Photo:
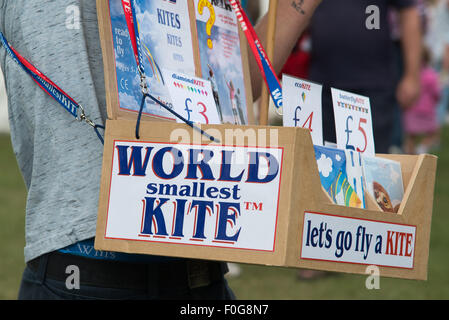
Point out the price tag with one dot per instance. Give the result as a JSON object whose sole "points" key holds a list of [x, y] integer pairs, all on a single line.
{"points": [[192, 97], [302, 105], [353, 122]]}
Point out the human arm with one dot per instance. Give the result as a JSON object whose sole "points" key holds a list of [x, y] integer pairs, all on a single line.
{"points": [[293, 17], [411, 39]]}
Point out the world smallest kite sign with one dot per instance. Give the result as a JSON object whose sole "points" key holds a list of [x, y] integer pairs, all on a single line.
{"points": [[194, 195]]}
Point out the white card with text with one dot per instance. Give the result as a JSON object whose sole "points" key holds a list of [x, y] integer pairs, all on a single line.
{"points": [[192, 97], [353, 122], [302, 106], [181, 193], [327, 237]]}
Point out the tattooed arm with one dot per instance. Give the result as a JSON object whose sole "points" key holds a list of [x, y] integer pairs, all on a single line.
{"points": [[411, 38], [298, 5], [292, 18]]}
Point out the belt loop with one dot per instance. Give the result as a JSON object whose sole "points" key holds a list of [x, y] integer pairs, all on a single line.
{"points": [[42, 269]]}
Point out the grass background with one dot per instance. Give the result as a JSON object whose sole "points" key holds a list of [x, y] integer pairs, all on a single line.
{"points": [[255, 282]]}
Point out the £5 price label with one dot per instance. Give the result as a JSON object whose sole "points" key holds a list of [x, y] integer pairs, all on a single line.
{"points": [[302, 106], [353, 122]]}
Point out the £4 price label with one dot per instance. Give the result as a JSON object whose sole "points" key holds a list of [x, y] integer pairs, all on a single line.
{"points": [[302, 106], [307, 124]]}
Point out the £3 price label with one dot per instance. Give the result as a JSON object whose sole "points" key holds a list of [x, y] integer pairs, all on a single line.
{"points": [[353, 122], [192, 97], [200, 110], [302, 106]]}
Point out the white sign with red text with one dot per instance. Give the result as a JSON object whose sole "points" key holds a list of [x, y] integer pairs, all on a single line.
{"points": [[349, 240], [353, 122], [192, 97], [302, 106], [195, 194]]}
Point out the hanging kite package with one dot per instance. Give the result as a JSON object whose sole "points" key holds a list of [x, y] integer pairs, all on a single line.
{"points": [[187, 173]]}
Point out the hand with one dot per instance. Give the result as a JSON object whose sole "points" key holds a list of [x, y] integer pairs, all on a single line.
{"points": [[408, 91]]}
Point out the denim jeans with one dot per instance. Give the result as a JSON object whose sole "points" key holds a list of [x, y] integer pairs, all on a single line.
{"points": [[37, 285]]}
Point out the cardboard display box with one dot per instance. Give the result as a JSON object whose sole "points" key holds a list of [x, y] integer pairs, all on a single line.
{"points": [[254, 197], [265, 206]]}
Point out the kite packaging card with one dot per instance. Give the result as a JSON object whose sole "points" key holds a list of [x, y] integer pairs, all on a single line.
{"points": [[330, 163], [219, 46], [383, 179], [334, 178], [166, 39], [184, 37]]}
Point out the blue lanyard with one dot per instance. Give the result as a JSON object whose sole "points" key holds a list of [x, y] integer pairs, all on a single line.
{"points": [[70, 105]]}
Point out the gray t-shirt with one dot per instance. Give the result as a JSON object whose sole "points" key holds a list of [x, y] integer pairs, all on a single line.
{"points": [[59, 157]]}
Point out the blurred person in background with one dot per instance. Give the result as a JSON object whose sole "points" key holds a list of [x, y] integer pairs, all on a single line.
{"points": [[352, 50], [340, 51], [437, 39], [420, 122], [397, 133]]}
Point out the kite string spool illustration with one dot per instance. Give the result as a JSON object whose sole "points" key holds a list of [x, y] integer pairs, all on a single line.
{"points": [[210, 22]]}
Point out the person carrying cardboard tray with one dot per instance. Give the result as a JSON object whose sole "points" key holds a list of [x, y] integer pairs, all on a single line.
{"points": [[60, 159]]}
